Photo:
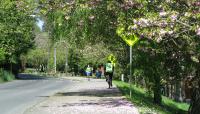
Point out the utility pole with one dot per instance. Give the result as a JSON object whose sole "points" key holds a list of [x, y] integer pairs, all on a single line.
{"points": [[55, 59], [66, 64]]}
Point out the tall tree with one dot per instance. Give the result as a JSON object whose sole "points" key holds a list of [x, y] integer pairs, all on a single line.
{"points": [[16, 30]]}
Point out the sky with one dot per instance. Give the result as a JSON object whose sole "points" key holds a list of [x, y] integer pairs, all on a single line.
{"points": [[40, 23]]}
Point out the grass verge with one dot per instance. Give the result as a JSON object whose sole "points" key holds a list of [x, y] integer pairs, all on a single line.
{"points": [[144, 102], [6, 76]]}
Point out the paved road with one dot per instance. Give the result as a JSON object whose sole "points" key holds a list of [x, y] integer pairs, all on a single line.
{"points": [[19, 95], [85, 97]]}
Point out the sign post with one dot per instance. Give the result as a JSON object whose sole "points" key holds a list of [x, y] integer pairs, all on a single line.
{"points": [[130, 78], [131, 40]]}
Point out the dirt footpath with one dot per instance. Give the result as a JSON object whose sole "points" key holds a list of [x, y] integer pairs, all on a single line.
{"points": [[85, 97]]}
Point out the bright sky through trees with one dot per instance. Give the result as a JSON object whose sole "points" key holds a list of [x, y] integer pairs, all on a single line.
{"points": [[40, 23]]}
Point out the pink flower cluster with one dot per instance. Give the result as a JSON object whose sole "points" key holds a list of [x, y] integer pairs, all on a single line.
{"points": [[198, 31], [129, 4], [142, 22], [91, 18], [163, 14]]}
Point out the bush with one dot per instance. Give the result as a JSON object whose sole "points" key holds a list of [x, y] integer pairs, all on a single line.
{"points": [[30, 70], [6, 76]]}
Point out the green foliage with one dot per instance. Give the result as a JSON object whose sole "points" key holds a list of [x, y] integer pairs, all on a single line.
{"points": [[36, 58], [2, 55], [17, 35], [16, 29], [42, 57]]}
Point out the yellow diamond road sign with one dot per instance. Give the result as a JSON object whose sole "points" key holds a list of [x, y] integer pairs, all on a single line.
{"points": [[130, 39]]}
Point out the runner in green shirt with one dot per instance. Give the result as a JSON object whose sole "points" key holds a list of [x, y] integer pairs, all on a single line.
{"points": [[109, 68]]}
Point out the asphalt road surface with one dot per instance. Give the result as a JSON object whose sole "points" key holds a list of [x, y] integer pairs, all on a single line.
{"points": [[19, 95]]}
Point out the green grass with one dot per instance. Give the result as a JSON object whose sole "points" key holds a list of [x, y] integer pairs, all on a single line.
{"points": [[144, 101], [6, 76]]}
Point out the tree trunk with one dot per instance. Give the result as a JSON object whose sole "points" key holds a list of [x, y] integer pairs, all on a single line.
{"points": [[23, 64], [195, 102], [195, 99], [11, 67], [157, 90], [167, 90], [177, 93], [48, 58], [182, 91], [171, 91]]}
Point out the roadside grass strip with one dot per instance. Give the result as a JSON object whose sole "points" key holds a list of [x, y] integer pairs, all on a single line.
{"points": [[144, 101]]}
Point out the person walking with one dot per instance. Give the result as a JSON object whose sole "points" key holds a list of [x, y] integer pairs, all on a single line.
{"points": [[102, 70], [109, 68], [98, 72], [88, 72]]}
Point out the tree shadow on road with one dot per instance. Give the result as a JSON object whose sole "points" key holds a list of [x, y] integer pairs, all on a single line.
{"points": [[31, 77], [104, 102], [93, 92], [106, 97]]}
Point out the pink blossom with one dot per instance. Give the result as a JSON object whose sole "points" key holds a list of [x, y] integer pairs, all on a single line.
{"points": [[67, 17], [162, 32], [170, 32], [163, 24], [143, 22], [198, 31], [187, 14], [80, 23], [134, 27], [168, 1], [162, 14], [158, 39], [135, 21], [91, 17], [174, 17]]}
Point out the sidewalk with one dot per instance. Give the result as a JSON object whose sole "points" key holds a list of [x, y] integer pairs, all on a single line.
{"points": [[85, 97]]}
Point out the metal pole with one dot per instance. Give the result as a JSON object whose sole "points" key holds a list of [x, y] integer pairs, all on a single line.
{"points": [[66, 64], [130, 78], [55, 59], [48, 59]]}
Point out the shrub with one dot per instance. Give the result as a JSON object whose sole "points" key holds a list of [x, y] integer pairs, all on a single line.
{"points": [[6, 76]]}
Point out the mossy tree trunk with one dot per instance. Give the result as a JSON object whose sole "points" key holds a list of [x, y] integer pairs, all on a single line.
{"points": [[157, 90], [195, 98]]}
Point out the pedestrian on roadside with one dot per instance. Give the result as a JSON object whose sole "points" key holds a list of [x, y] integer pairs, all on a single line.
{"points": [[98, 72], [102, 70], [109, 69], [88, 72]]}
